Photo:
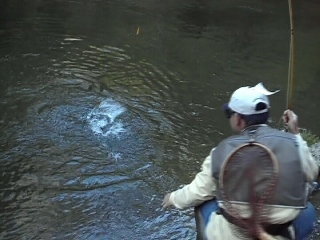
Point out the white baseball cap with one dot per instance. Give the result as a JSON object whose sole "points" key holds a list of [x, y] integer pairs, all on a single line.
{"points": [[245, 99]]}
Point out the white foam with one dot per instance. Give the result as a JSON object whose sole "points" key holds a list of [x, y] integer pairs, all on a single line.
{"points": [[115, 156], [103, 119]]}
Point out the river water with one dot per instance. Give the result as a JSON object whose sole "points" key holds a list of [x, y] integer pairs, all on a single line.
{"points": [[107, 105]]}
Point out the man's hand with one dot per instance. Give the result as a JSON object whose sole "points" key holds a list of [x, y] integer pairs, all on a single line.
{"points": [[166, 202], [290, 119]]}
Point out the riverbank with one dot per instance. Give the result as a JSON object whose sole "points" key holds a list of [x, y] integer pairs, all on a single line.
{"points": [[315, 150]]}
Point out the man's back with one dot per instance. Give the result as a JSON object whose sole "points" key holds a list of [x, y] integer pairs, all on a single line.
{"points": [[291, 186]]}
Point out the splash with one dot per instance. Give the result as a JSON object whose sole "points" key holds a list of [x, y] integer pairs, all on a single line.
{"points": [[103, 119]]}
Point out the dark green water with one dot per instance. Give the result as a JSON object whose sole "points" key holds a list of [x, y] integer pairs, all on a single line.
{"points": [[98, 122]]}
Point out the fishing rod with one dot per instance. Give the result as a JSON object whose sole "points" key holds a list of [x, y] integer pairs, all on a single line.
{"points": [[291, 60], [291, 65]]}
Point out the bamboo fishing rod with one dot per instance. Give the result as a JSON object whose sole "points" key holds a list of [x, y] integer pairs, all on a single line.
{"points": [[291, 60]]}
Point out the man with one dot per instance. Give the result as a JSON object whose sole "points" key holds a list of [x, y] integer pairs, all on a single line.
{"points": [[291, 216]]}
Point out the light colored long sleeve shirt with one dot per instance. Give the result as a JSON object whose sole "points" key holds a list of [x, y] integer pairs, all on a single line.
{"points": [[203, 188]]}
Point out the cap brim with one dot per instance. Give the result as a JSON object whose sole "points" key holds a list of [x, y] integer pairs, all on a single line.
{"points": [[225, 106]]}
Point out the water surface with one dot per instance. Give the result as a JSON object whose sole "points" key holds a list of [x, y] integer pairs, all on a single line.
{"points": [[107, 105]]}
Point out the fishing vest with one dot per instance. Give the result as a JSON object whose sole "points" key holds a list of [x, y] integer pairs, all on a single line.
{"points": [[291, 185]]}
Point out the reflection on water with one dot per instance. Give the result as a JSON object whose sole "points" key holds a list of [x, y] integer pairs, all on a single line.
{"points": [[97, 123]]}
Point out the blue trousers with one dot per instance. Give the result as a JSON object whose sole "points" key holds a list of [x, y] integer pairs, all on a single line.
{"points": [[303, 224]]}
